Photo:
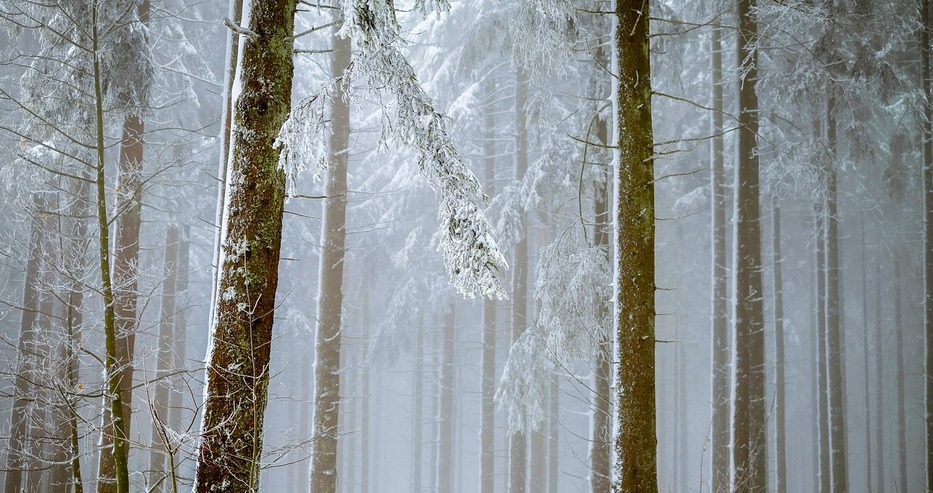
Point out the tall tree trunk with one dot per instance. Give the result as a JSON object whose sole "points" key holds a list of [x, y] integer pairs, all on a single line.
{"points": [[241, 335], [75, 267], [179, 353], [445, 449], [779, 398], [553, 473], [125, 274], [901, 484], [869, 463], [517, 442], [160, 401], [749, 425], [365, 399], [19, 419], [487, 447], [927, 228], [39, 434], [304, 422], [417, 440], [879, 385], [822, 365], [330, 292], [601, 440], [835, 344], [720, 321], [636, 443]]}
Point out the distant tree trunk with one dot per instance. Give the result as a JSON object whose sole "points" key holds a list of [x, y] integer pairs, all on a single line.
{"points": [[487, 447], [779, 398], [879, 385], [538, 461], [304, 466], [835, 344], [19, 419], [720, 319], [365, 399], [446, 425], [517, 441], [927, 228], [417, 414], [869, 463], [553, 473], [39, 433], [75, 266], [125, 274], [601, 440], [324, 471], [901, 403], [822, 365], [238, 366], [636, 443], [160, 401], [749, 426], [179, 355]]}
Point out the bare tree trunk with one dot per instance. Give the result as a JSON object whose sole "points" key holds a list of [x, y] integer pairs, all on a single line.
{"points": [[779, 397], [749, 425], [719, 476], [835, 344], [324, 471], [553, 473], [822, 365], [636, 440], [488, 417], [238, 360], [601, 439], [517, 441], [869, 463], [901, 403], [927, 228], [179, 355], [19, 419], [365, 400], [879, 379], [417, 416], [160, 401], [445, 439]]}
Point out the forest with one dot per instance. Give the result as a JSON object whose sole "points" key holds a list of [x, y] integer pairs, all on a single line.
{"points": [[522, 246]]}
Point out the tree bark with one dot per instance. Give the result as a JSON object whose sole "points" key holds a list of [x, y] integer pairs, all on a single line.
{"points": [[488, 408], [324, 471], [445, 449], [517, 441], [779, 395], [238, 362], [601, 440], [365, 399], [179, 354], [19, 420], [417, 441], [866, 361], [927, 173], [553, 473], [636, 439], [879, 385], [822, 363], [749, 425], [721, 350], [901, 403], [835, 344]]}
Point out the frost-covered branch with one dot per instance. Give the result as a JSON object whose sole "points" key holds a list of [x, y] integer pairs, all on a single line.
{"points": [[472, 257]]}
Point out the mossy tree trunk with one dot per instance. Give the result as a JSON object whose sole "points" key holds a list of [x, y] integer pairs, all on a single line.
{"points": [[636, 441], [241, 335]]}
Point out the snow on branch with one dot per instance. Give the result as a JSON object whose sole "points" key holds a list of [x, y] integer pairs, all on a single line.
{"points": [[471, 256], [543, 35]]}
